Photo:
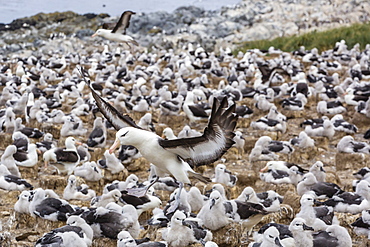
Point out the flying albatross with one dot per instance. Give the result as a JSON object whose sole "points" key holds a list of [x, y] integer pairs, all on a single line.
{"points": [[119, 31], [178, 156]]}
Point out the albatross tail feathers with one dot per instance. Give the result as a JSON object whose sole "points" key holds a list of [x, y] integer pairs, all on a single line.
{"points": [[200, 177], [134, 42]]}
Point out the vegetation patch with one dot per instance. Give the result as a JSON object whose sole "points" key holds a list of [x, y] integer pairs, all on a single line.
{"points": [[323, 40]]}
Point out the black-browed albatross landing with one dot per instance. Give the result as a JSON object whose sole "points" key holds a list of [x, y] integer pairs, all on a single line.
{"points": [[178, 156], [119, 31]]}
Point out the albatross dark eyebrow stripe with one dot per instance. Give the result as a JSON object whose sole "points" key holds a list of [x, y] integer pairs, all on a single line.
{"points": [[124, 134]]}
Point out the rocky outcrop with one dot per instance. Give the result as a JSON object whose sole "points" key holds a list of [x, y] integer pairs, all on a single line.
{"points": [[248, 20]]}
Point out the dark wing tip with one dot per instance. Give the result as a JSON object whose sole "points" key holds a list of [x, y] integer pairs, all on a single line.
{"points": [[123, 22], [85, 75], [224, 119], [129, 12], [110, 112]]}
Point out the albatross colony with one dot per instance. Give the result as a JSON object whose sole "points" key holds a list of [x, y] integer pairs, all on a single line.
{"points": [[122, 81]]}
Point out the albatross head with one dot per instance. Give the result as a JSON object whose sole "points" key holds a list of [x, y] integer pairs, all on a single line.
{"points": [[101, 32], [124, 238], [121, 138], [70, 143], [178, 218], [215, 198]]}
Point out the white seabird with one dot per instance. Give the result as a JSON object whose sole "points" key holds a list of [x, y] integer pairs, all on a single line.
{"points": [[176, 156], [106, 222], [29, 158], [103, 200], [183, 204], [132, 180], [348, 145], [342, 125], [239, 143], [112, 163], [74, 192], [269, 124], [72, 126], [89, 171], [76, 233], [318, 170], [187, 132], [341, 234], [362, 224], [224, 176], [67, 158], [23, 202], [332, 107], [129, 217], [168, 134], [46, 144], [213, 213], [349, 202], [49, 208], [302, 233], [270, 239], [124, 239], [295, 175], [119, 31], [141, 203], [162, 183], [11, 182], [146, 122], [258, 154], [98, 136], [184, 232], [320, 189], [8, 160], [196, 199], [317, 217], [302, 140], [326, 129], [270, 200]]}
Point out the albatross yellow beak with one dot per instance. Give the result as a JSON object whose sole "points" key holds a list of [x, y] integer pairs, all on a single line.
{"points": [[264, 169], [93, 35], [78, 143], [114, 146]]}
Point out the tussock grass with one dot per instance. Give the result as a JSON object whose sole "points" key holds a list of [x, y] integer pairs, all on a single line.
{"points": [[324, 40]]}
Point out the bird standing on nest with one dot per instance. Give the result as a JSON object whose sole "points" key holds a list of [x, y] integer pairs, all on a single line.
{"points": [[119, 31]]}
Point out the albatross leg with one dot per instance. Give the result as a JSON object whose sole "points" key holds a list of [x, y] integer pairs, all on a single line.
{"points": [[139, 192], [174, 206]]}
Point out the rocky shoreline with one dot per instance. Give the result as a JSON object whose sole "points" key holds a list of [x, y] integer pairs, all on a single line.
{"points": [[246, 21]]}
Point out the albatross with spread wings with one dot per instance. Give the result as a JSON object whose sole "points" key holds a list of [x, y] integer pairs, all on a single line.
{"points": [[119, 31], [178, 156]]}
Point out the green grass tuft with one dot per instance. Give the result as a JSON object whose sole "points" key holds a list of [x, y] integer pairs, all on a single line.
{"points": [[356, 33]]}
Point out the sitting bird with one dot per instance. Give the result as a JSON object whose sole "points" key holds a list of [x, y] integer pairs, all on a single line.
{"points": [[80, 192], [98, 135], [222, 175], [66, 158]]}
